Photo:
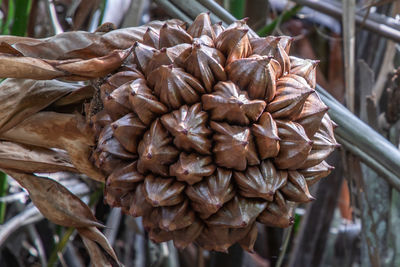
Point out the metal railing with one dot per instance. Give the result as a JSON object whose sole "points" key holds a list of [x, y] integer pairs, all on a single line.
{"points": [[354, 135]]}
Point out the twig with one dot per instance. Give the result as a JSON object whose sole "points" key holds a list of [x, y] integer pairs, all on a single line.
{"points": [[348, 21], [173, 11], [112, 225], [374, 26], [282, 253], [30, 215], [53, 17], [38, 244]]}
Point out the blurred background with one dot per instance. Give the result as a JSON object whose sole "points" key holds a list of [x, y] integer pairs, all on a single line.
{"points": [[354, 220]]}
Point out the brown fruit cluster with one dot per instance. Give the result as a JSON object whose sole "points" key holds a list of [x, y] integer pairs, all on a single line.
{"points": [[206, 131]]}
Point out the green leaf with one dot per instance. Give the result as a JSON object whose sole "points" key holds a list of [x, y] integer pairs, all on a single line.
{"points": [[21, 16], [285, 16]]}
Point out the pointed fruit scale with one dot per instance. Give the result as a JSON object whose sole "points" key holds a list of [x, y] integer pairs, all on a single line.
{"points": [[228, 103], [234, 146], [155, 151], [206, 64], [176, 217], [276, 47], [167, 56], [202, 26], [305, 68], [138, 206], [237, 213], [175, 87], [296, 188], [191, 168], [311, 115], [183, 237], [209, 195], [255, 75], [160, 191], [116, 104], [127, 130], [289, 98], [145, 105], [151, 38], [189, 129], [260, 182], [294, 145], [125, 178], [234, 43], [117, 80], [278, 213], [171, 35], [316, 173], [142, 55], [218, 28], [266, 136], [247, 243]]}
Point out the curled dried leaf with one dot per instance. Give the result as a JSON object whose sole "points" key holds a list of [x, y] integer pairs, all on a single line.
{"points": [[55, 201], [31, 159]]}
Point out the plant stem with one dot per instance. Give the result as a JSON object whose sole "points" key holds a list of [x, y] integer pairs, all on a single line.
{"points": [[3, 192], [60, 247], [288, 234], [21, 16]]}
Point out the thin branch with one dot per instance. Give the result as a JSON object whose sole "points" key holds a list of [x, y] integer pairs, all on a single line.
{"points": [[348, 22]]}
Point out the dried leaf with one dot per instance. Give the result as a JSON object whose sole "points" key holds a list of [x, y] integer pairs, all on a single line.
{"points": [[55, 201], [32, 159], [20, 99], [57, 130], [94, 235]]}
